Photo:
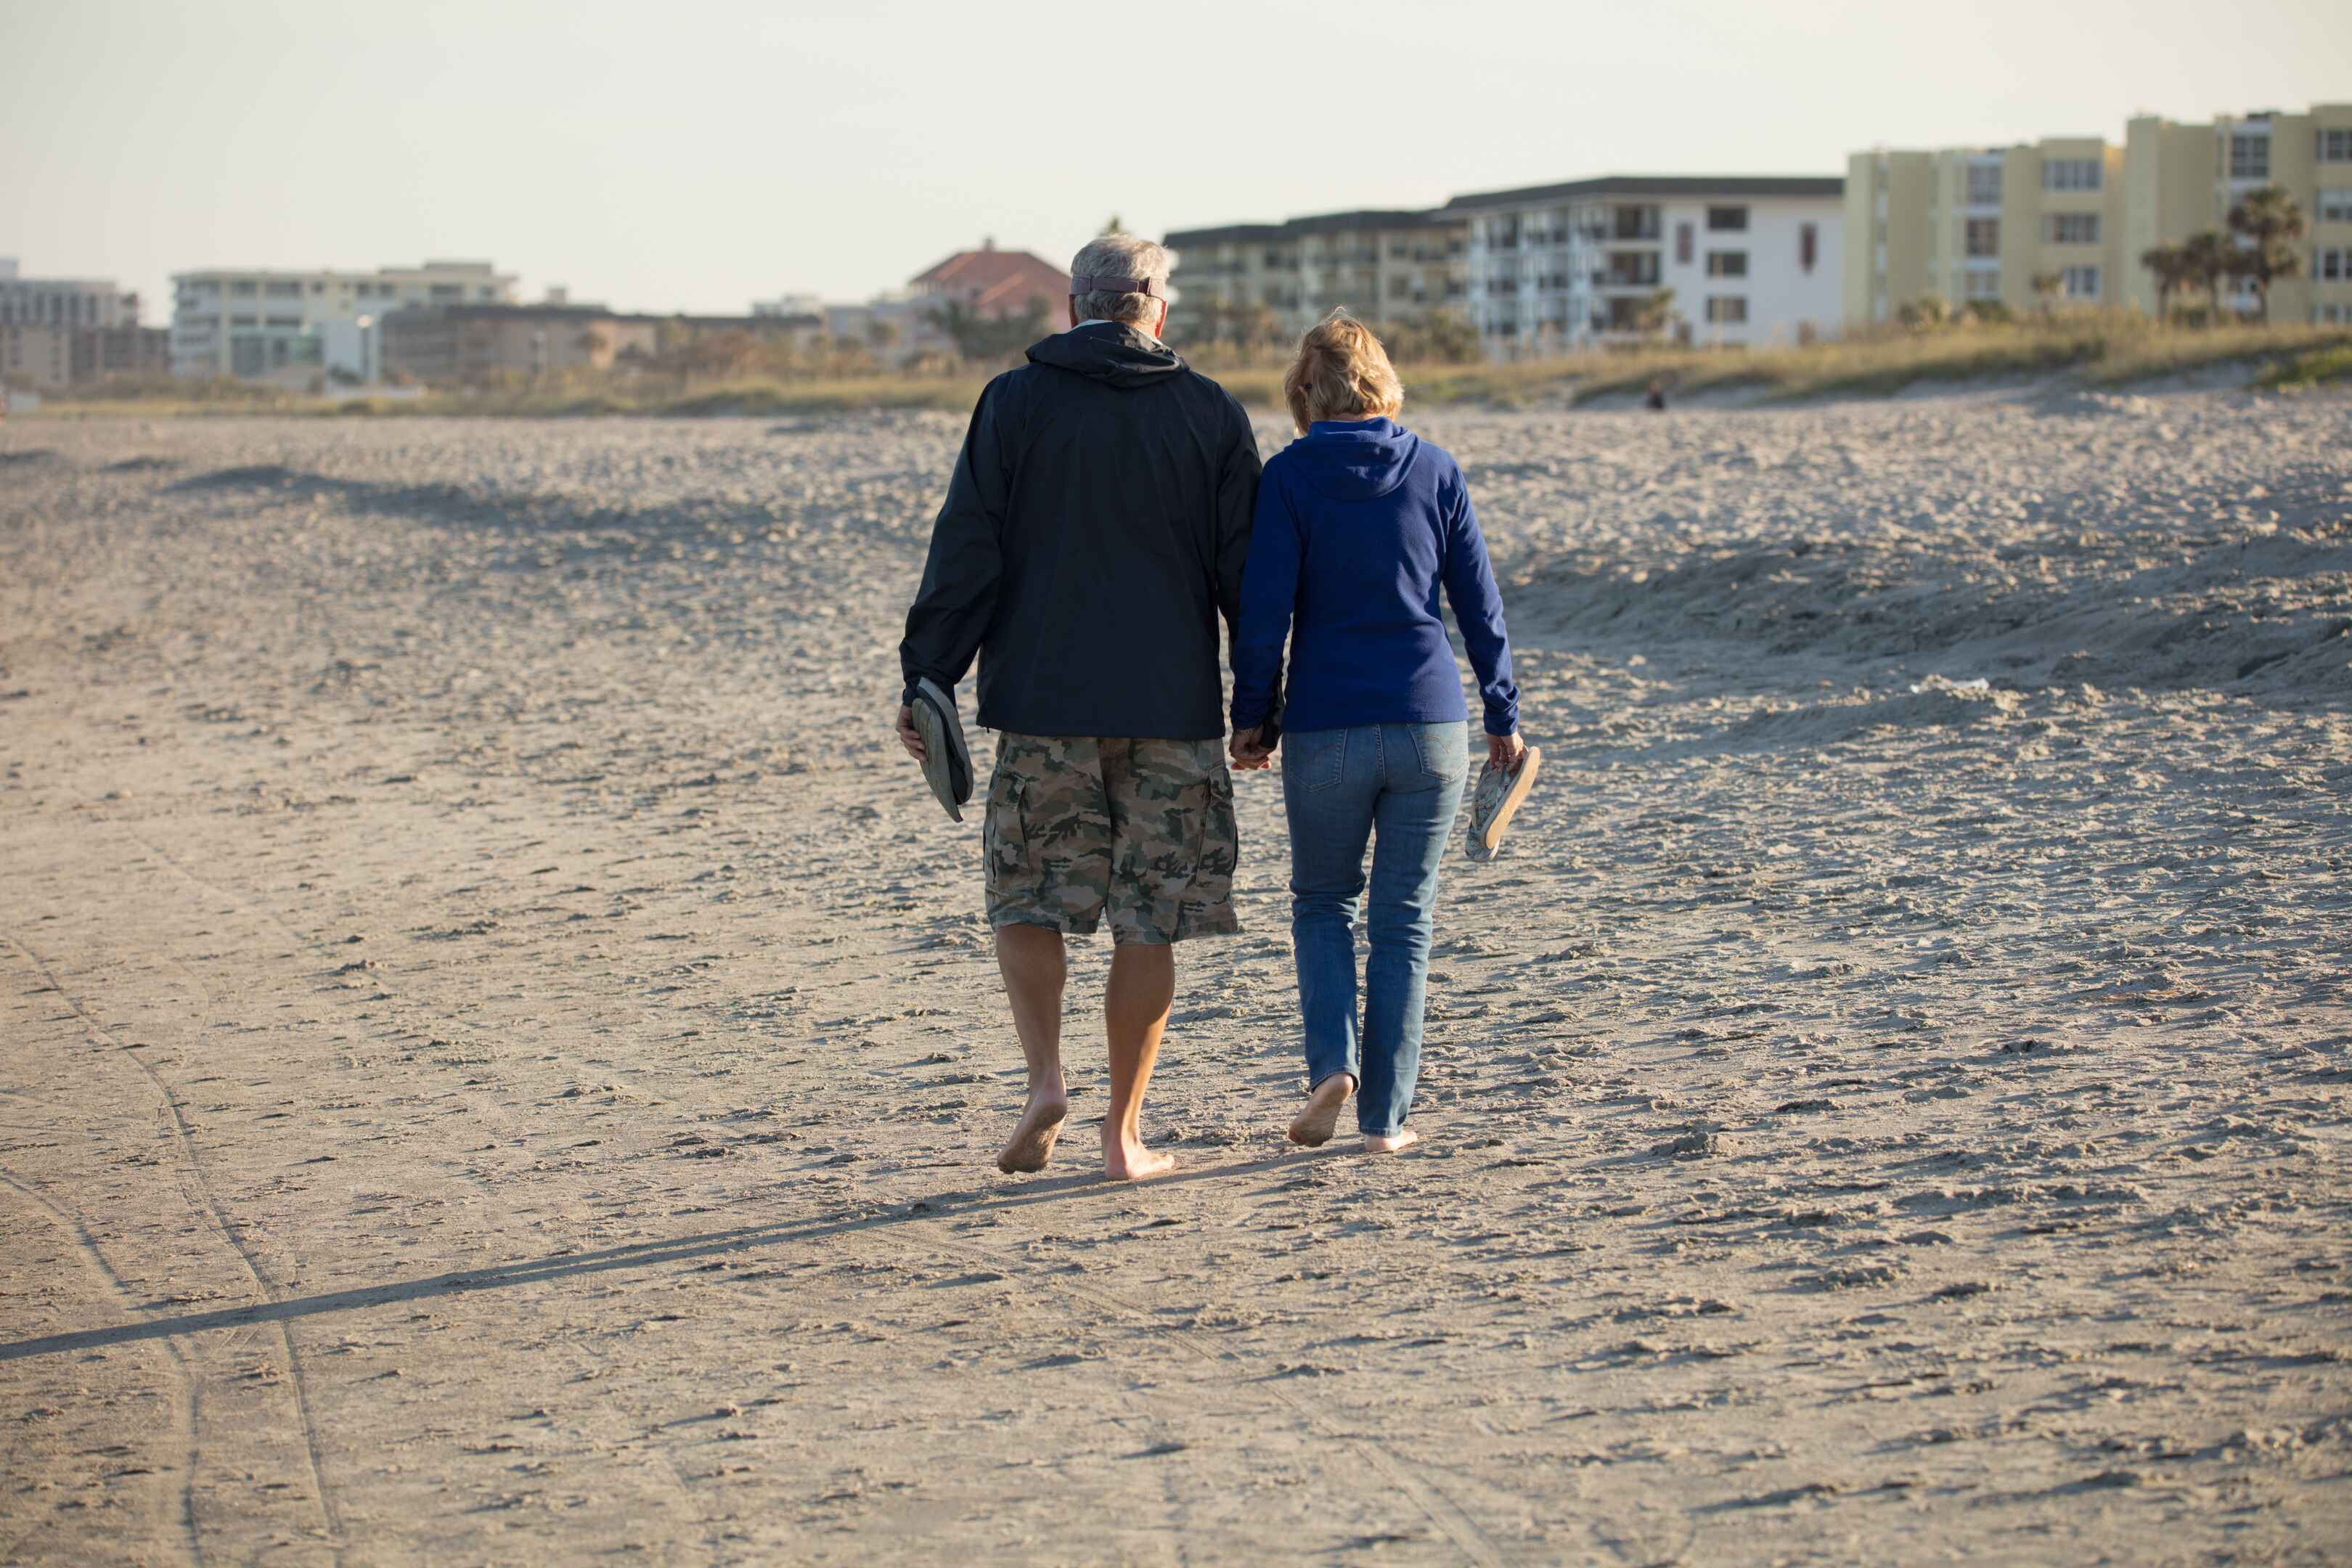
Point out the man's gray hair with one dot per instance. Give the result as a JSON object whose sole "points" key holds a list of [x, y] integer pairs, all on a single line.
{"points": [[1118, 256]]}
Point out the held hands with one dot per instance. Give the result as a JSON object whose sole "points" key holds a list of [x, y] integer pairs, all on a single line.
{"points": [[909, 737], [1247, 752], [1506, 752]]}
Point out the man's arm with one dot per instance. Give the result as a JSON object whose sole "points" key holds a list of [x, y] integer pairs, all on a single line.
{"points": [[1237, 503], [966, 563]]}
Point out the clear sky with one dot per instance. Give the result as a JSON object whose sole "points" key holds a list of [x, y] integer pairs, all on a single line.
{"points": [[696, 155]]}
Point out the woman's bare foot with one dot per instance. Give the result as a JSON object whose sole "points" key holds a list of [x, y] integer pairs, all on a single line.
{"points": [[1126, 1160], [1389, 1143], [1313, 1124], [1031, 1143]]}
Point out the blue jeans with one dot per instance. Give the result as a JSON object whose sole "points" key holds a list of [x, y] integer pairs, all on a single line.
{"points": [[1340, 787]]}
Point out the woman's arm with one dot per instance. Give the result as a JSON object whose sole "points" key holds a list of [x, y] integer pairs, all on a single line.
{"points": [[1478, 610], [1269, 590]]}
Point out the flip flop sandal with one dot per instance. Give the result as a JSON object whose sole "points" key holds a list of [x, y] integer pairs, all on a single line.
{"points": [[1499, 794], [947, 760]]}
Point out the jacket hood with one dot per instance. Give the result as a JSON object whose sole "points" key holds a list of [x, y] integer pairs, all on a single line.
{"points": [[1354, 459], [1109, 352]]}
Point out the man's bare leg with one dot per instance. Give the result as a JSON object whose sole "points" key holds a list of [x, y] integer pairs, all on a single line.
{"points": [[1035, 967], [1135, 1013]]}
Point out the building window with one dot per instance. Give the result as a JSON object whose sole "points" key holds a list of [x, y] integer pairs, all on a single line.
{"points": [[2335, 204], [1729, 310], [1682, 244], [2332, 265], [245, 290], [245, 320], [2250, 156], [1727, 220], [2081, 282], [1635, 223], [1980, 283], [1727, 264], [1808, 245], [1984, 185], [2336, 144], [283, 290], [2074, 229], [2072, 174], [1981, 237]]}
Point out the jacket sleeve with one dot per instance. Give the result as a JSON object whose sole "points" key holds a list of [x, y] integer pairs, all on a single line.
{"points": [[1478, 610], [966, 563], [1237, 485], [1269, 590]]}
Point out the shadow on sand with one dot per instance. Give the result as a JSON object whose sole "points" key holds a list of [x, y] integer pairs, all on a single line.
{"points": [[641, 1255]]}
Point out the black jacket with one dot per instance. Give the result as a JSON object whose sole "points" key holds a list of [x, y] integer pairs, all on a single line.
{"points": [[1095, 529]]}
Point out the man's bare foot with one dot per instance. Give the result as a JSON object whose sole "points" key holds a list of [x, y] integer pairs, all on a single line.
{"points": [[1314, 1122], [1124, 1161], [1389, 1143], [1031, 1143]]}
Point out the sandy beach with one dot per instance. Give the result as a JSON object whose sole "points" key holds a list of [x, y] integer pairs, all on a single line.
{"points": [[501, 1058]]}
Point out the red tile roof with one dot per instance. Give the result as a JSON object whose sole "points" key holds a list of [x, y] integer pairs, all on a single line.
{"points": [[995, 282]]}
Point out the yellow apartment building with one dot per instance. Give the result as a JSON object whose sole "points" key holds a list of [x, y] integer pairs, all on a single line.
{"points": [[1980, 223], [2185, 177]]}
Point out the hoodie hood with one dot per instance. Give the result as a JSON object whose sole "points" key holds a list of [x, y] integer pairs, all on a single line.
{"points": [[1109, 352], [1354, 459]]}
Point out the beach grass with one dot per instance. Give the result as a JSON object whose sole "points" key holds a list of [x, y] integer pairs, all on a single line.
{"points": [[2099, 349], [2316, 367]]}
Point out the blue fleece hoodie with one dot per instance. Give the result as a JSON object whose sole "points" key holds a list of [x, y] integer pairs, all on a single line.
{"points": [[1358, 524]]}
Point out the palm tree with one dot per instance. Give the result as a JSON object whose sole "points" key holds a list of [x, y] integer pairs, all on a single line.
{"points": [[2169, 265], [2271, 225], [2207, 257], [2049, 288]]}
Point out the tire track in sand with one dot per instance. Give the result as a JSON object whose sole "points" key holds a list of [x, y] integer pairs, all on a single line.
{"points": [[73, 1225], [209, 1208], [682, 1489]]}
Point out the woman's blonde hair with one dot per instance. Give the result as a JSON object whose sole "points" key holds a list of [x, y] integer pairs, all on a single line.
{"points": [[1342, 373]]}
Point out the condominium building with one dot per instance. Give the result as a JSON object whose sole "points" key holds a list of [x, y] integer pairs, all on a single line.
{"points": [[473, 342], [1984, 225], [35, 356], [1748, 259], [250, 323], [2069, 218], [50, 358], [63, 302], [2181, 178], [1385, 267]]}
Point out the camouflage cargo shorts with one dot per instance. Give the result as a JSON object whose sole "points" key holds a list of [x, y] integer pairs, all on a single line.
{"points": [[1076, 826]]}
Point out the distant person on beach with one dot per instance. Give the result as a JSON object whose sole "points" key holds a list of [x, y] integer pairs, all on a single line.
{"points": [[1094, 534], [1656, 400], [1360, 525]]}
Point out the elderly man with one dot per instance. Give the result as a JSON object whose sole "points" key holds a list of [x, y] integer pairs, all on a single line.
{"points": [[1094, 532]]}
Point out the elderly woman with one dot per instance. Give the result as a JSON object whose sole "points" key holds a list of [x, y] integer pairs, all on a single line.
{"points": [[1359, 524]]}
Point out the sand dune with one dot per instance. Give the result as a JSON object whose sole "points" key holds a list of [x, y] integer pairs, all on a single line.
{"points": [[500, 1057]]}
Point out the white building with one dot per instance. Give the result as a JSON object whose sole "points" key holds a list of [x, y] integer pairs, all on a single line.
{"points": [[1751, 261], [892, 326], [252, 323], [65, 302]]}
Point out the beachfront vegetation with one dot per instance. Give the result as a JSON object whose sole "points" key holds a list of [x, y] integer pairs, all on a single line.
{"points": [[2093, 348], [2262, 244]]}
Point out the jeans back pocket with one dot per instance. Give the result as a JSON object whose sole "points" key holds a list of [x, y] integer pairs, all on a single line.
{"points": [[1443, 750], [1316, 760]]}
